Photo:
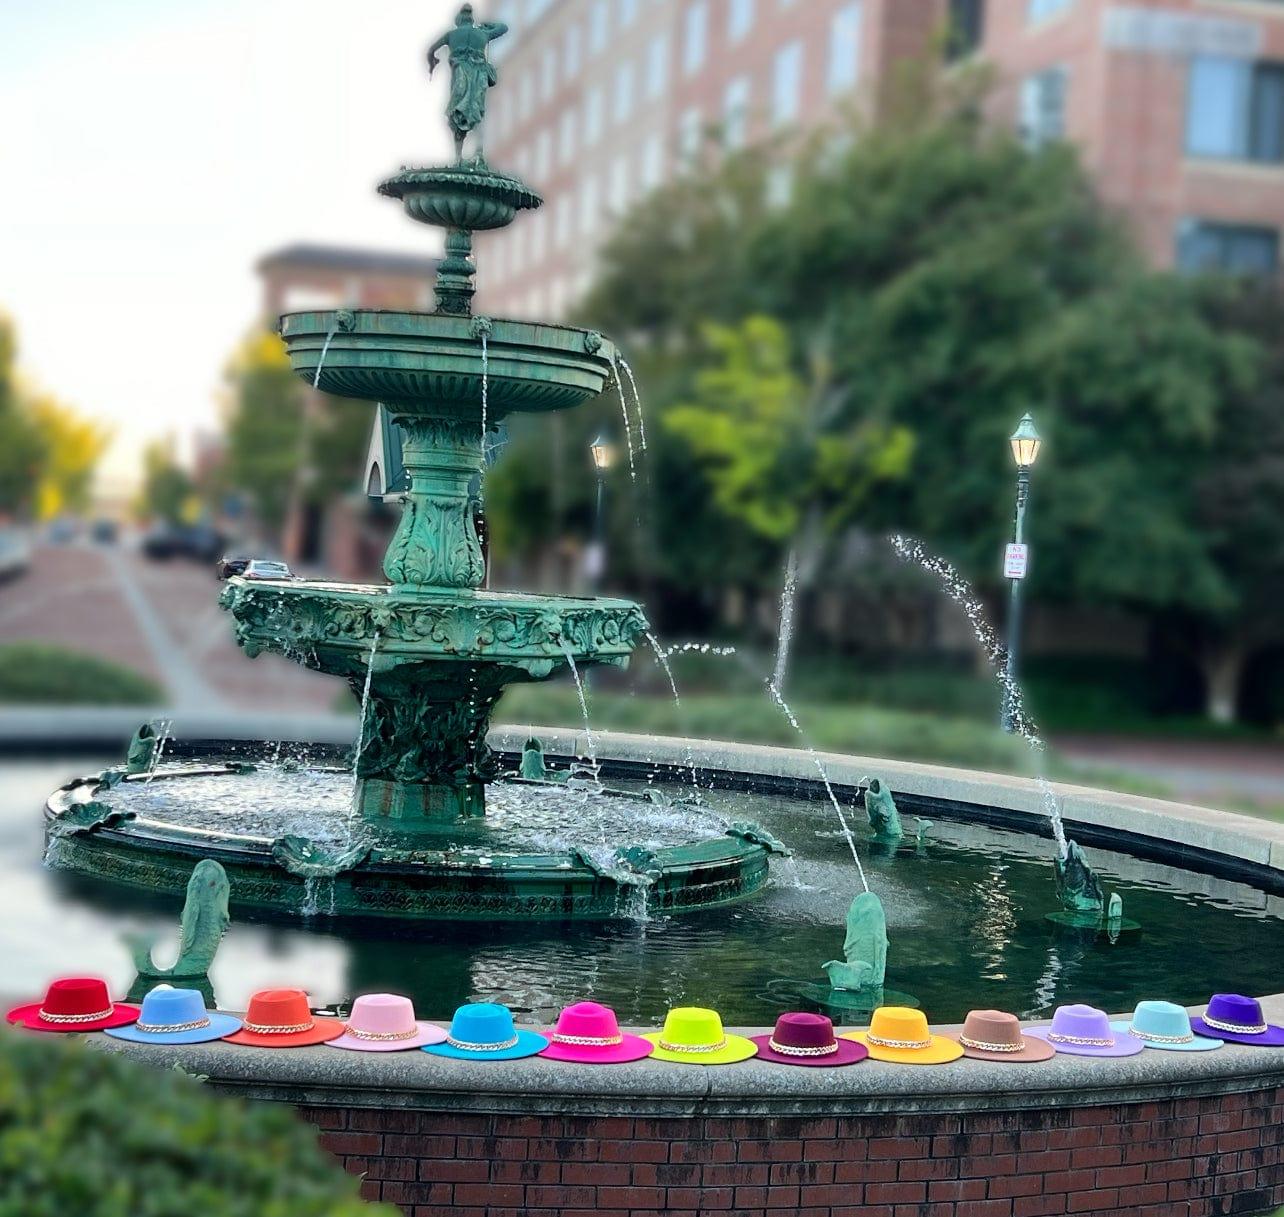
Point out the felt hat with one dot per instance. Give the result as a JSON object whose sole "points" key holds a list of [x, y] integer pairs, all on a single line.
{"points": [[807, 1039], [1235, 1019], [589, 1034], [484, 1031], [992, 1035], [899, 1034], [75, 1003], [694, 1036], [281, 1018], [1086, 1031], [385, 1022], [1166, 1025], [176, 1016]]}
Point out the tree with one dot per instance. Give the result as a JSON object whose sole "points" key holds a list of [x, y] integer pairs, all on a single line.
{"points": [[73, 446], [167, 488], [23, 449]]}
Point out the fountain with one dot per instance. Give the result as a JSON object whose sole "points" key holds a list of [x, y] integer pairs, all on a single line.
{"points": [[429, 654]]}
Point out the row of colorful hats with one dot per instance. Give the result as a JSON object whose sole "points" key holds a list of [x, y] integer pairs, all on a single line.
{"points": [[589, 1033]]}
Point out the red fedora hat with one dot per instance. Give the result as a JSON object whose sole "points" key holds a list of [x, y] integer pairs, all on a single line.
{"points": [[75, 1003]]}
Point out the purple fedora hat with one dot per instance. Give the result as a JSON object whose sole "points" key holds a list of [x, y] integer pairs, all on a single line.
{"points": [[1236, 1019], [1086, 1031], [807, 1039]]}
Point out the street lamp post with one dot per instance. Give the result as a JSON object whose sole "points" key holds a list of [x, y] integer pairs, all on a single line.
{"points": [[1025, 442], [603, 453]]}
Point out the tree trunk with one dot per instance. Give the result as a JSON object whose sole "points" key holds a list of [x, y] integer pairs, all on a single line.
{"points": [[1223, 668]]}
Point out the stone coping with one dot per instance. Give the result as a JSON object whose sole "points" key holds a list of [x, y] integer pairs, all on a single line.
{"points": [[416, 1080]]}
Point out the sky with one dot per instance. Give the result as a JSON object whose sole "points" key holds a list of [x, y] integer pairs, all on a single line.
{"points": [[152, 150]]}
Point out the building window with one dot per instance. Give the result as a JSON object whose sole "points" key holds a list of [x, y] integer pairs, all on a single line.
{"points": [[690, 132], [739, 19], [599, 22], [589, 204], [652, 162], [619, 186], [844, 48], [1237, 249], [697, 28], [592, 117], [543, 154], [1043, 107], [548, 82], [786, 83], [628, 13], [967, 27], [624, 92], [780, 185], [657, 66], [735, 112], [566, 138], [1235, 110], [1041, 10], [571, 54]]}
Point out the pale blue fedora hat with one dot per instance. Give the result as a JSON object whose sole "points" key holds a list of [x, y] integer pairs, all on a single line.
{"points": [[484, 1031], [1166, 1025], [176, 1016]]}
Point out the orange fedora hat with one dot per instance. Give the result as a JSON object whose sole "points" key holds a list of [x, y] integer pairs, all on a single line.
{"points": [[280, 1018]]}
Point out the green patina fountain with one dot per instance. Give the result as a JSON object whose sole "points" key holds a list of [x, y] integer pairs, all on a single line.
{"points": [[429, 654]]}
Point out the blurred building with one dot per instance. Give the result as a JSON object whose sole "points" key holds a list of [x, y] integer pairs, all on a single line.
{"points": [[1177, 106]]}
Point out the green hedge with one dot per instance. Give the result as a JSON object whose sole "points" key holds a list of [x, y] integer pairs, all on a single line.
{"points": [[38, 673], [86, 1133]]}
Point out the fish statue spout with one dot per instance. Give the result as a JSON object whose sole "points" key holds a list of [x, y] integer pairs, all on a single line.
{"points": [[1078, 887], [533, 768], [864, 962], [205, 920], [884, 818]]}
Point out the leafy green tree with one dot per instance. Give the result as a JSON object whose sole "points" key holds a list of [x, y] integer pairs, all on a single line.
{"points": [[73, 447], [167, 488], [23, 449]]}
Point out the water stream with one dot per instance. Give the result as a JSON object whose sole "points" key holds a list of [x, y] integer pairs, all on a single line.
{"points": [[623, 364], [361, 737], [628, 427], [688, 755]]}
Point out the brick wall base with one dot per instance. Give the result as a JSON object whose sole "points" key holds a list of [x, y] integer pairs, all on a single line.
{"points": [[1189, 1157]]}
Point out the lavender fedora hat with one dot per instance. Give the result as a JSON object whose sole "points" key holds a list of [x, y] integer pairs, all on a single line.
{"points": [[1235, 1019], [1086, 1031]]}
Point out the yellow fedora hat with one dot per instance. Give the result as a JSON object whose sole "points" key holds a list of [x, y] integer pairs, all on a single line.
{"points": [[694, 1036], [897, 1033]]}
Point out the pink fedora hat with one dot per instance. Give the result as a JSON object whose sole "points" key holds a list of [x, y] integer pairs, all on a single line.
{"points": [[384, 1022], [589, 1034], [807, 1039], [1086, 1031]]}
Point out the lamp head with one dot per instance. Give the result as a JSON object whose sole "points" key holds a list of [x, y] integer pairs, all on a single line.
{"points": [[603, 453], [1026, 442]]}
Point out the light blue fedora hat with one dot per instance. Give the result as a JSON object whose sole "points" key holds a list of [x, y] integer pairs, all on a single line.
{"points": [[176, 1016], [1166, 1025], [484, 1031]]}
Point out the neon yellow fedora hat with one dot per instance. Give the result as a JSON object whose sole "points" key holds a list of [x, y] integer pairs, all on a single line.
{"points": [[899, 1034], [694, 1036]]}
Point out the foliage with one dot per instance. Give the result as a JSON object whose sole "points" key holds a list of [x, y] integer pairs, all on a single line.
{"points": [[40, 673], [167, 489], [90, 1132]]}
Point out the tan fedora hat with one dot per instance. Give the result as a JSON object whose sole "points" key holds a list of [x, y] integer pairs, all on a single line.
{"points": [[992, 1035]]}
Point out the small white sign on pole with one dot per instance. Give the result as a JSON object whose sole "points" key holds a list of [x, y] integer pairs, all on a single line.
{"points": [[1016, 561]]}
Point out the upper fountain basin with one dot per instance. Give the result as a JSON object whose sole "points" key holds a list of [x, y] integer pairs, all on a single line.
{"points": [[471, 196], [431, 363]]}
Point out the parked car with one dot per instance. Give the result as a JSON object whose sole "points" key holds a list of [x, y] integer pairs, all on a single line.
{"points": [[228, 567], [15, 552], [199, 542], [263, 568], [104, 532]]}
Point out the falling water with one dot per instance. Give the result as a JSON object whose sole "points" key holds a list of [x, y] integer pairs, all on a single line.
{"points": [[697, 648], [958, 590], [579, 688], [628, 427], [361, 734], [637, 397], [325, 350], [162, 738], [663, 659], [485, 402]]}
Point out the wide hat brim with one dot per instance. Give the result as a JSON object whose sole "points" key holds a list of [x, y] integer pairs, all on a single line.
{"points": [[529, 1043], [221, 1026], [848, 1052], [321, 1032], [1201, 1043], [1034, 1050], [428, 1033], [735, 1048], [1124, 1045], [630, 1048], [1273, 1037], [941, 1051], [29, 1016]]}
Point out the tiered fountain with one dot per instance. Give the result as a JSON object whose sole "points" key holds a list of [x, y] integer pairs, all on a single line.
{"points": [[429, 654]]}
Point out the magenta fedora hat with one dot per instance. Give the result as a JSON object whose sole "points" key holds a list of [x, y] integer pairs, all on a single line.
{"points": [[1235, 1019], [1086, 1031], [807, 1039], [589, 1034]]}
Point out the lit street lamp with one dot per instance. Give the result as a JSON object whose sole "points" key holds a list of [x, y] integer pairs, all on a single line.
{"points": [[603, 453], [1026, 443]]}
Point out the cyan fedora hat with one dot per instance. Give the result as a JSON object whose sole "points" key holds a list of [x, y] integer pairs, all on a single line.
{"points": [[176, 1016], [1166, 1025], [484, 1031], [1236, 1019]]}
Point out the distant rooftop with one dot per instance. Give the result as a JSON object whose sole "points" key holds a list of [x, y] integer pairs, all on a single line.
{"points": [[344, 258]]}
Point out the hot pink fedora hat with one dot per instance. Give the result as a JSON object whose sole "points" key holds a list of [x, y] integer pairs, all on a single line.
{"points": [[589, 1034], [807, 1039], [385, 1022]]}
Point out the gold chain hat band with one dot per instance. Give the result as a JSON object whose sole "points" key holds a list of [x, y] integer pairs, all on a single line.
{"points": [[788, 1050], [381, 1036], [1152, 1038], [693, 1048], [268, 1029], [70, 1019], [908, 1045], [1083, 1041], [588, 1041], [1235, 1028], [465, 1046], [171, 1028], [982, 1046]]}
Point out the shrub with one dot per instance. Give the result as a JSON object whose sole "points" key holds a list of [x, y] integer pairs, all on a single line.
{"points": [[95, 1134], [37, 673]]}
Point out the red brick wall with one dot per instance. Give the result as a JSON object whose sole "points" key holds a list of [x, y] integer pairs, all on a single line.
{"points": [[1175, 1158]]}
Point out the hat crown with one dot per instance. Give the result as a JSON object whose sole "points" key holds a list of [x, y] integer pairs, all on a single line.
{"points": [[588, 1020], [899, 1023], [279, 1008], [800, 1030], [167, 1007], [993, 1027], [1236, 1010], [77, 995], [482, 1023], [383, 1014], [693, 1027], [1082, 1022], [1161, 1018]]}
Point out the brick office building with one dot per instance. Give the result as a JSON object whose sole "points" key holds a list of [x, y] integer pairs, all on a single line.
{"points": [[1176, 105]]}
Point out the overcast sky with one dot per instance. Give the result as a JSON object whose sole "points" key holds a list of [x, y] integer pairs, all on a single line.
{"points": [[152, 150]]}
